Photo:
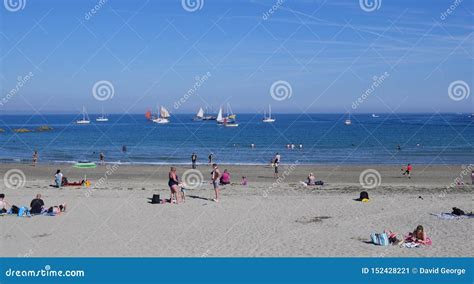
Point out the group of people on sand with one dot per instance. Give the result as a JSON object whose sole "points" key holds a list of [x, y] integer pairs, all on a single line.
{"points": [[412, 239], [177, 187], [37, 207]]}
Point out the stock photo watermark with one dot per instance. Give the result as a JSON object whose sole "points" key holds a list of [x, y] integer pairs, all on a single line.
{"points": [[192, 5], [21, 82], [370, 5], [95, 9], [103, 90], [192, 179], [287, 172], [370, 179], [110, 170], [14, 5], [459, 90], [267, 14], [281, 90], [14, 179], [377, 82], [445, 14], [200, 80]]}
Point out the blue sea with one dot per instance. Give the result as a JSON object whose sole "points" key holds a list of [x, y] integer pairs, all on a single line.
{"points": [[325, 139]]}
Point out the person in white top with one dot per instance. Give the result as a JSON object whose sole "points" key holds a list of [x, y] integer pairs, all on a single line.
{"points": [[58, 178]]}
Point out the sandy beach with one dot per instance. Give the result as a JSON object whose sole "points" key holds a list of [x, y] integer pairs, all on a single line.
{"points": [[266, 218]]}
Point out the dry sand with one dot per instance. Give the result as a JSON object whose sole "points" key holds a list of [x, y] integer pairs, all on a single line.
{"points": [[261, 219]]}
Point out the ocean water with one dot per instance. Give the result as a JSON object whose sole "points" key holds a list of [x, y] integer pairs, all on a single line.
{"points": [[424, 138]]}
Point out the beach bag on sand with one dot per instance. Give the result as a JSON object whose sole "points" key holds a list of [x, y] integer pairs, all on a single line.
{"points": [[364, 195], [155, 199], [319, 182], [380, 239], [23, 211], [458, 212]]}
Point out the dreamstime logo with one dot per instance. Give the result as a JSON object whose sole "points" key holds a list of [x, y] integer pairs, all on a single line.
{"points": [[377, 82], [370, 5], [281, 90], [94, 10], [103, 90], [459, 90], [288, 171], [198, 84], [266, 15], [110, 170], [444, 15], [192, 178], [192, 5], [21, 82], [14, 179], [370, 179], [14, 5]]}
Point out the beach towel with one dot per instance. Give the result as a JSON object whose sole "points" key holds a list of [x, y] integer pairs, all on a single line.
{"points": [[411, 245], [451, 216]]}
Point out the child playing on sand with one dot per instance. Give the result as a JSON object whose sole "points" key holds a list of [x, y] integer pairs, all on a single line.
{"points": [[244, 181]]}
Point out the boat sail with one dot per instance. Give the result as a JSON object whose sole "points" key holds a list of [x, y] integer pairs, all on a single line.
{"points": [[229, 120], [200, 115], [85, 117], [268, 119], [219, 118], [102, 118], [148, 115], [163, 116]]}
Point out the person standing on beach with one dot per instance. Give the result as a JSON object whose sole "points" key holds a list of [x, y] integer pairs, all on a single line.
{"points": [[210, 158], [173, 183], [102, 158], [215, 174], [194, 160], [35, 158], [276, 162]]}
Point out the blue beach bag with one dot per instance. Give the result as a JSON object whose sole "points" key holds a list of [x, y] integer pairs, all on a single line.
{"points": [[380, 239]]}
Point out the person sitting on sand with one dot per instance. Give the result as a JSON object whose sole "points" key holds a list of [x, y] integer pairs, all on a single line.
{"points": [[173, 183], [58, 178], [418, 236], [3, 204], [311, 179], [225, 178], [37, 205], [244, 181]]}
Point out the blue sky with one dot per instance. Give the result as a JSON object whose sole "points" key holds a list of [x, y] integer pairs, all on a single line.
{"points": [[152, 52]]}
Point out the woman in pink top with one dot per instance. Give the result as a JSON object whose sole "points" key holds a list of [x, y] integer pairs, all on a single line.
{"points": [[225, 178]]}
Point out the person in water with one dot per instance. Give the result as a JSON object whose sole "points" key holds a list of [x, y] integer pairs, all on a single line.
{"points": [[173, 183], [194, 160], [210, 158], [225, 178], [37, 205], [215, 175], [58, 178]]}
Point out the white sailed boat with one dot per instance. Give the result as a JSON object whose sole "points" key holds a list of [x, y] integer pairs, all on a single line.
{"points": [[102, 117], [163, 117], [219, 118], [85, 117], [268, 119], [200, 115], [374, 116]]}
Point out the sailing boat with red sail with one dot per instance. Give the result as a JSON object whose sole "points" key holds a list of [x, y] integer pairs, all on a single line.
{"points": [[148, 115]]}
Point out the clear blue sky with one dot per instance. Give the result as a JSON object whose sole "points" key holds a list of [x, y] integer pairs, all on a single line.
{"points": [[151, 51]]}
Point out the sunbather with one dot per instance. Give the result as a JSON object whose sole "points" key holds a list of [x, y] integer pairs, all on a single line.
{"points": [[3, 204], [37, 205], [418, 236]]}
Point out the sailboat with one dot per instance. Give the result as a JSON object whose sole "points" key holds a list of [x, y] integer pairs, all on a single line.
{"points": [[268, 119], [374, 115], [102, 118], [148, 115], [163, 117], [200, 115], [348, 121], [219, 118], [229, 120], [85, 117]]}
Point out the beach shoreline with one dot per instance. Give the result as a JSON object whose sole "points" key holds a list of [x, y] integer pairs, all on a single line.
{"points": [[269, 217]]}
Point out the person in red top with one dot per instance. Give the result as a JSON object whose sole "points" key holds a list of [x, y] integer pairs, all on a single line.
{"points": [[408, 171]]}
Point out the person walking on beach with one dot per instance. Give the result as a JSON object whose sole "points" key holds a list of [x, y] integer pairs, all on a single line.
{"points": [[35, 158], [276, 163], [210, 158], [215, 174], [58, 178], [408, 171], [173, 183], [102, 158], [194, 160]]}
